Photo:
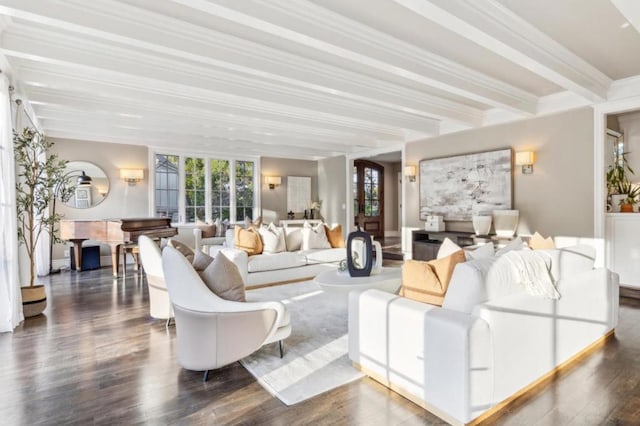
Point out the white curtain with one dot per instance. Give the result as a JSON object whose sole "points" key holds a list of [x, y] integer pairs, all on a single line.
{"points": [[10, 297]]}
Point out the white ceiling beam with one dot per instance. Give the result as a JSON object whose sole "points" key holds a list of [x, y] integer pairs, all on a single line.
{"points": [[120, 24], [439, 72], [495, 28]]}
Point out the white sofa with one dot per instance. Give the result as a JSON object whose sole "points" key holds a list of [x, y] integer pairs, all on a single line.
{"points": [[488, 342]]}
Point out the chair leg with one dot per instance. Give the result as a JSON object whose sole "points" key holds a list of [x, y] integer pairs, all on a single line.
{"points": [[206, 376], [281, 345]]}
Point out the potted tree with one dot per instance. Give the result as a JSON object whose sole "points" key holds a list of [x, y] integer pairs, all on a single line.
{"points": [[37, 177]]}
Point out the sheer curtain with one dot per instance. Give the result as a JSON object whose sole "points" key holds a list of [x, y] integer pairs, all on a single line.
{"points": [[10, 297]]}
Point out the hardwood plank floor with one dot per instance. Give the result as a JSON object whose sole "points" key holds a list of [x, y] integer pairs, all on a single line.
{"points": [[97, 358]]}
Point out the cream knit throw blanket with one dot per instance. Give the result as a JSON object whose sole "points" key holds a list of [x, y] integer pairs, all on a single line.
{"points": [[531, 272]]}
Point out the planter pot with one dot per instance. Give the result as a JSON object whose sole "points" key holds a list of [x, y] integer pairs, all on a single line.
{"points": [[505, 222], [615, 202], [34, 300], [481, 224], [626, 208]]}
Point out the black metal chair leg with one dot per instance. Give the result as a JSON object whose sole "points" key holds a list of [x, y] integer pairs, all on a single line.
{"points": [[206, 376], [281, 345]]}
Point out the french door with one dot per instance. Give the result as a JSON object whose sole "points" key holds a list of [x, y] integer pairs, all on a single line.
{"points": [[368, 196]]}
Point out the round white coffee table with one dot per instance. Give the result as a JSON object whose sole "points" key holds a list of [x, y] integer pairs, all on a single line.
{"points": [[389, 280]]}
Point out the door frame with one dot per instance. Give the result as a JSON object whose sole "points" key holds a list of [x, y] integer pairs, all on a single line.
{"points": [[381, 190]]}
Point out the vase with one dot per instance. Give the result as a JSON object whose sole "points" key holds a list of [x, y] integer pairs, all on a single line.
{"points": [[364, 267], [505, 222], [481, 224], [615, 202], [34, 300]]}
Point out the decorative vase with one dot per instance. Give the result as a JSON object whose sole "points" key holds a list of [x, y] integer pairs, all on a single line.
{"points": [[481, 224], [34, 300], [505, 222], [363, 270], [615, 202]]}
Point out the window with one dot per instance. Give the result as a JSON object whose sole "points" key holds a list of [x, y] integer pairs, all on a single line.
{"points": [[188, 188], [194, 189], [244, 190], [166, 186], [220, 189]]}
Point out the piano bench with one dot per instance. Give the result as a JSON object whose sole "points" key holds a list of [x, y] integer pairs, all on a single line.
{"points": [[133, 250]]}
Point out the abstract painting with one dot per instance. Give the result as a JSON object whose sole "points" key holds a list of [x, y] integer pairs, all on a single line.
{"points": [[465, 185]]}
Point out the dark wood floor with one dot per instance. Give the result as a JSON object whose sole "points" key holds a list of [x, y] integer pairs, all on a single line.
{"points": [[97, 358]]}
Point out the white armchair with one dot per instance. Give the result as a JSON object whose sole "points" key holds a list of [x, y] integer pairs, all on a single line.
{"points": [[213, 332], [151, 257]]}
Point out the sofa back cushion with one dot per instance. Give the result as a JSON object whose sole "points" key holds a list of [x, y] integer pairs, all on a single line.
{"points": [[272, 239], [428, 281], [569, 261]]}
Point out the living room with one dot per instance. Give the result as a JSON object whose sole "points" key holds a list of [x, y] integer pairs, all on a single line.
{"points": [[283, 99]]}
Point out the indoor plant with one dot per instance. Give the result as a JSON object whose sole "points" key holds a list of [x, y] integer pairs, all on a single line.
{"points": [[37, 176], [617, 181], [631, 193]]}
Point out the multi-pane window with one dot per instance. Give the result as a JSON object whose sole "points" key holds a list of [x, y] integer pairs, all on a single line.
{"points": [[356, 209], [244, 190], [371, 192], [188, 189], [220, 189], [167, 186], [194, 189]]}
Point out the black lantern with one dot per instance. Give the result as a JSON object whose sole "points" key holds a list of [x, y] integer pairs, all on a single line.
{"points": [[360, 270]]}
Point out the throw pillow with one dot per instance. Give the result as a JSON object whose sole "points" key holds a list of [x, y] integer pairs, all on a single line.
{"points": [[182, 248], [222, 277], [314, 237], [293, 238], [272, 239], [201, 261], [428, 281], [538, 242], [447, 248], [483, 251], [208, 229], [516, 244], [247, 240], [336, 240]]}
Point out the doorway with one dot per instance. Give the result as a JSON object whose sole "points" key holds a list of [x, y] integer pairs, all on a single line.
{"points": [[368, 196]]}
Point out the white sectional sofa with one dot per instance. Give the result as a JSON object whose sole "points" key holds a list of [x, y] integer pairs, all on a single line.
{"points": [[489, 341]]}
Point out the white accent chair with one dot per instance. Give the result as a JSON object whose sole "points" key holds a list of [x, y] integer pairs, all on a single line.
{"points": [[213, 332], [151, 258]]}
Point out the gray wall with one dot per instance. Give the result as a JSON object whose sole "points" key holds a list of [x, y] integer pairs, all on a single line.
{"points": [[122, 201], [276, 199], [390, 196], [332, 178], [557, 199]]}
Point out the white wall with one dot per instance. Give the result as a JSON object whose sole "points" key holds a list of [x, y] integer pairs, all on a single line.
{"points": [[557, 199], [276, 199], [332, 180]]}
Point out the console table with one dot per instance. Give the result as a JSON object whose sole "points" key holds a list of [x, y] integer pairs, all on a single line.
{"points": [[425, 244]]}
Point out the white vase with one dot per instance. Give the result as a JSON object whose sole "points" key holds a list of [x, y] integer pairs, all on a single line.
{"points": [[505, 222], [615, 202], [481, 224]]}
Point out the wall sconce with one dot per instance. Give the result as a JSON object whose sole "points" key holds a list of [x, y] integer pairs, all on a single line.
{"points": [[131, 176], [410, 173], [273, 181], [526, 160]]}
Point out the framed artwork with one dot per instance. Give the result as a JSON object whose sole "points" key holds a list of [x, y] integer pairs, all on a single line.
{"points": [[83, 196], [298, 193], [465, 185]]}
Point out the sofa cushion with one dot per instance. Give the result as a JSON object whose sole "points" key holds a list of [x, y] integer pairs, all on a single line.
{"points": [[275, 261], [569, 261], [332, 255], [428, 281], [182, 248], [247, 240], [515, 244], [334, 235], [537, 242], [221, 276], [272, 239], [314, 237], [208, 229], [447, 248], [483, 251], [293, 238]]}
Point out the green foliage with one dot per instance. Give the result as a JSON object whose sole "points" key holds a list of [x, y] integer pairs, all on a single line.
{"points": [[617, 175], [632, 192], [39, 179]]}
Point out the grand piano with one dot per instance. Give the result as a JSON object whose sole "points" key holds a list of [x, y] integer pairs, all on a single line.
{"points": [[114, 232]]}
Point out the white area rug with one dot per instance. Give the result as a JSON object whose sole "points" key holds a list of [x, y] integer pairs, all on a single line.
{"points": [[315, 355]]}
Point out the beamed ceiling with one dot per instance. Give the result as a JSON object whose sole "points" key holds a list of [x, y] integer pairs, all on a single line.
{"points": [[310, 79]]}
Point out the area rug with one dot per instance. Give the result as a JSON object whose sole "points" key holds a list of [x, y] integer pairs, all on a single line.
{"points": [[315, 358]]}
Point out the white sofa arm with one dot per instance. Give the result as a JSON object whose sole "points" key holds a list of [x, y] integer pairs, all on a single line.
{"points": [[439, 356], [241, 260]]}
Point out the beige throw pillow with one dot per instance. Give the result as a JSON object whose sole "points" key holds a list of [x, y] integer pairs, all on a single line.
{"points": [[221, 275], [538, 242], [428, 282], [248, 240], [336, 240], [208, 229], [293, 238], [182, 248]]}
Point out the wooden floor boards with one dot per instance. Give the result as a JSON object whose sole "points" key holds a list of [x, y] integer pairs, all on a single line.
{"points": [[97, 358]]}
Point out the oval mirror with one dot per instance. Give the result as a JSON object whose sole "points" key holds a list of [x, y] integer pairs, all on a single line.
{"points": [[86, 185]]}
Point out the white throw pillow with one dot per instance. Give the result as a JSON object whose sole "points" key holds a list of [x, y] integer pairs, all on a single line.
{"points": [[314, 237], [447, 248], [293, 238], [482, 252], [272, 239], [516, 244]]}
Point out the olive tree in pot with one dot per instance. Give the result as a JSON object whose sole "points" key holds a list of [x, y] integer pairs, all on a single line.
{"points": [[37, 177]]}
